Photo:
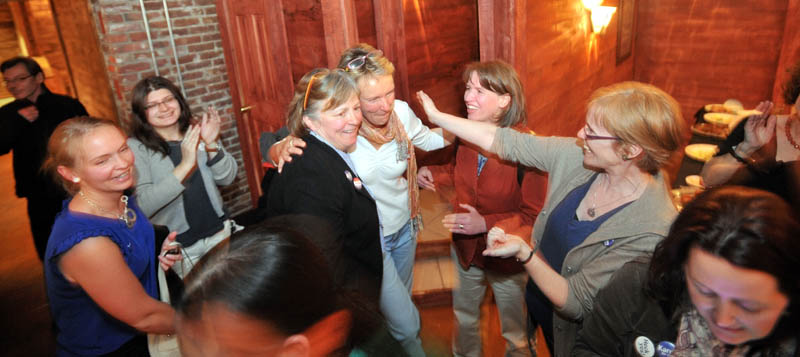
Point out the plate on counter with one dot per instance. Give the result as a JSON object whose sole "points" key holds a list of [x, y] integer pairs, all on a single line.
{"points": [[695, 181], [711, 130], [701, 152]]}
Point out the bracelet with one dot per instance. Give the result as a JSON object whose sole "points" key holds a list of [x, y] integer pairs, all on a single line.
{"points": [[215, 147], [736, 156], [533, 251]]}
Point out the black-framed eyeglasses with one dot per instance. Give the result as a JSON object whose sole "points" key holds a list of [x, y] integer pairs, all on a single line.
{"points": [[598, 137], [360, 61], [166, 101], [16, 80]]}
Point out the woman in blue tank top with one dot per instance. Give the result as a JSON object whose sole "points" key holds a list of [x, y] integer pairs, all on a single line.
{"points": [[100, 264]]}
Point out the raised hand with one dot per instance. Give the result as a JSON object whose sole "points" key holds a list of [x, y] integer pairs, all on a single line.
{"points": [[425, 179], [758, 130], [471, 222], [210, 126], [428, 106], [188, 153]]}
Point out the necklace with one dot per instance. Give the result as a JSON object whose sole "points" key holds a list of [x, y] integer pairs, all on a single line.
{"points": [[788, 127], [592, 211], [128, 215]]}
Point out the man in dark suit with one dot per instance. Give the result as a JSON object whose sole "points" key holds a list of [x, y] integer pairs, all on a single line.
{"points": [[25, 127]]}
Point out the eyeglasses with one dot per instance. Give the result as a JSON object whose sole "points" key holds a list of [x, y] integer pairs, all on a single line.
{"points": [[360, 61], [17, 80], [166, 101], [598, 137]]}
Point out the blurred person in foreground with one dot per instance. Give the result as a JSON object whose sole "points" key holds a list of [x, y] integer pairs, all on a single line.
{"points": [[271, 293], [723, 283]]}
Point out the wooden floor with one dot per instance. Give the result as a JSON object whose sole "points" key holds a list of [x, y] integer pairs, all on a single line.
{"points": [[25, 325]]}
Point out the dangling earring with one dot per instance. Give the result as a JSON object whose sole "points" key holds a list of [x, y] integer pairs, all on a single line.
{"points": [[76, 179]]}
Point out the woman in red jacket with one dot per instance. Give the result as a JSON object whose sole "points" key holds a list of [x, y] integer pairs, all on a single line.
{"points": [[489, 192]]}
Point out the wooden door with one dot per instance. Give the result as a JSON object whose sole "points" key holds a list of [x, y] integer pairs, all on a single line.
{"points": [[259, 74]]}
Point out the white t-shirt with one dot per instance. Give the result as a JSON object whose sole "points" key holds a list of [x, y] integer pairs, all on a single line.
{"points": [[385, 175]]}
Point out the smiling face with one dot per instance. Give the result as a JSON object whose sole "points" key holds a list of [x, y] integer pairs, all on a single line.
{"points": [[162, 108], [21, 84], [339, 126], [377, 99], [104, 162], [738, 304], [598, 152], [482, 104]]}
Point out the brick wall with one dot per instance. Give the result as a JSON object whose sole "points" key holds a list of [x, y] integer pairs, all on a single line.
{"points": [[198, 42]]}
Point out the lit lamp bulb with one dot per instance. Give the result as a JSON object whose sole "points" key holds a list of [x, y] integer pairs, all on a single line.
{"points": [[601, 16], [591, 4]]}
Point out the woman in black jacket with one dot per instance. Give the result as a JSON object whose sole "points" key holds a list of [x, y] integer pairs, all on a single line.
{"points": [[325, 112], [722, 283]]}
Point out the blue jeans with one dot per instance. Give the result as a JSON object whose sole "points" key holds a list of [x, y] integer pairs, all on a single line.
{"points": [[402, 317], [401, 246]]}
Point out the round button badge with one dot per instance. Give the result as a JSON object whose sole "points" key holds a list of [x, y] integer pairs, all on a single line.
{"points": [[644, 346]]}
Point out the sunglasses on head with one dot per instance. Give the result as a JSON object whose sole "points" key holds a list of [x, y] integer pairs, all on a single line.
{"points": [[360, 61]]}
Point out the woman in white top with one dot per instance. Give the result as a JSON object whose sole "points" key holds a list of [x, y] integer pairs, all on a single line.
{"points": [[384, 159]]}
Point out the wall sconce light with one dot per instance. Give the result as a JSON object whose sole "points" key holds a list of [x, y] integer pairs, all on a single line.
{"points": [[600, 15]]}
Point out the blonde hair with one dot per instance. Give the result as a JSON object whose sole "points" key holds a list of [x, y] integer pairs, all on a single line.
{"points": [[500, 78], [63, 149], [327, 89], [640, 114], [375, 63]]}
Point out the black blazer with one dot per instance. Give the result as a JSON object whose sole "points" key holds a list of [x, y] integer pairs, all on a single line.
{"points": [[320, 183]]}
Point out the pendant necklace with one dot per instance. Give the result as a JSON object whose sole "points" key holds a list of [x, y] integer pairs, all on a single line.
{"points": [[128, 215], [592, 211]]}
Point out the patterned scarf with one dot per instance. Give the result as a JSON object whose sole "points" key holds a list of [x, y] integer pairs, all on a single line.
{"points": [[405, 151], [696, 340]]}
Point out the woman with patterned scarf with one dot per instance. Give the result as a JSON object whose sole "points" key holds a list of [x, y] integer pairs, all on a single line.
{"points": [[723, 283], [384, 159]]}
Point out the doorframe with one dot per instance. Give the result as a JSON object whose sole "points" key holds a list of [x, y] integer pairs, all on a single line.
{"points": [[251, 155]]}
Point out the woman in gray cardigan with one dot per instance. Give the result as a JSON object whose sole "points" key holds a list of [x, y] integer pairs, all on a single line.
{"points": [[607, 201], [178, 165]]}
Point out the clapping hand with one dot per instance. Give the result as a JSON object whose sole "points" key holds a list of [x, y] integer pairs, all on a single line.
{"points": [[210, 126], [759, 129]]}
